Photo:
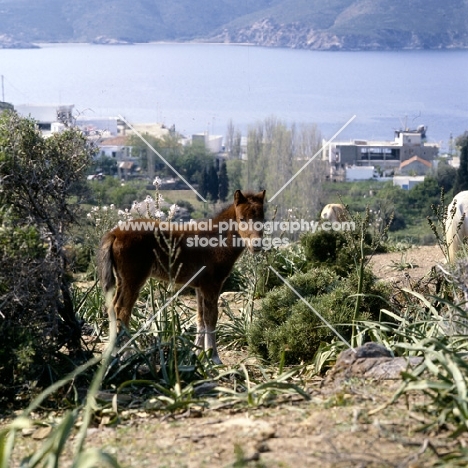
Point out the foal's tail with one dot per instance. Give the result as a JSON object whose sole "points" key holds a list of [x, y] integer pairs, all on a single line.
{"points": [[106, 263]]}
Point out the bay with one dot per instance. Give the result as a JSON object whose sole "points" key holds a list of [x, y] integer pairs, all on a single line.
{"points": [[201, 87]]}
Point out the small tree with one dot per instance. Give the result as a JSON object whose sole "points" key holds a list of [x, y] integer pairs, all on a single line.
{"points": [[203, 183], [38, 176], [213, 184], [223, 182]]}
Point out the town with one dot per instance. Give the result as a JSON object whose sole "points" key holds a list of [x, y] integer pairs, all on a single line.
{"points": [[405, 160]]}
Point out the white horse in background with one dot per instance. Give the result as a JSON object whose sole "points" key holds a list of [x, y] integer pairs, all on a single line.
{"points": [[334, 212], [456, 229]]}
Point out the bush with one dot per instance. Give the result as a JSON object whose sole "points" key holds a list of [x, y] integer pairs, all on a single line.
{"points": [[285, 324], [39, 177], [323, 246]]}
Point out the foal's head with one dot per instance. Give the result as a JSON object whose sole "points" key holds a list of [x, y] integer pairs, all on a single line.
{"points": [[250, 218]]}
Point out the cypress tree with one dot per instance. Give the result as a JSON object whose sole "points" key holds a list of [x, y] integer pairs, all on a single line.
{"points": [[223, 182], [213, 185], [203, 183]]}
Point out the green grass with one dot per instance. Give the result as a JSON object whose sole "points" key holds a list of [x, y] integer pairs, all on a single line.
{"points": [[171, 196]]}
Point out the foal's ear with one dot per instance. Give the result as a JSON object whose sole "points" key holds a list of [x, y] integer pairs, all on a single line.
{"points": [[239, 198], [261, 194]]}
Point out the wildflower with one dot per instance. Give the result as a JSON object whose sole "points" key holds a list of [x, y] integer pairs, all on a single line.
{"points": [[172, 211]]}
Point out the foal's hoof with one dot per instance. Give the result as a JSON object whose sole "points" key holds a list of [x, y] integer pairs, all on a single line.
{"points": [[216, 360], [208, 354]]}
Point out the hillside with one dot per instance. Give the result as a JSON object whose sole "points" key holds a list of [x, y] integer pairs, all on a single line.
{"points": [[312, 24]]}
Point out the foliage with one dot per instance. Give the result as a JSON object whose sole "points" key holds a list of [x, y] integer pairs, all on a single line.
{"points": [[38, 177], [434, 329], [235, 168], [277, 152], [195, 158], [168, 146], [328, 248], [113, 191], [446, 175], [52, 450], [409, 208], [223, 181], [103, 165], [284, 324], [461, 179], [213, 185]]}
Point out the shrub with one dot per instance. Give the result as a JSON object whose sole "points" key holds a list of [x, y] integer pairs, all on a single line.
{"points": [[38, 177], [285, 324]]}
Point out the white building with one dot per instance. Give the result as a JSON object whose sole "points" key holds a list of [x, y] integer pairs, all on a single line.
{"points": [[213, 143], [388, 155], [407, 182], [47, 115]]}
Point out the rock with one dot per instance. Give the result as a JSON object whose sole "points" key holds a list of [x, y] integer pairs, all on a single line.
{"points": [[371, 361], [104, 40], [8, 42]]}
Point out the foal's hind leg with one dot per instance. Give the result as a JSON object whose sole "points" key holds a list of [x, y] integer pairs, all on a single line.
{"points": [[126, 295], [124, 300], [207, 319]]}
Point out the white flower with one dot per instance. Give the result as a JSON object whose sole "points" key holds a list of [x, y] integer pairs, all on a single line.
{"points": [[172, 210], [157, 182]]}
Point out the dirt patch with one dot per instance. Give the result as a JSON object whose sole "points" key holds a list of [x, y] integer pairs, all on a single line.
{"points": [[336, 428], [414, 263]]}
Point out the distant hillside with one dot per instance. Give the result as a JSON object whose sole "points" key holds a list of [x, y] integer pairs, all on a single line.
{"points": [[355, 24], [312, 24]]}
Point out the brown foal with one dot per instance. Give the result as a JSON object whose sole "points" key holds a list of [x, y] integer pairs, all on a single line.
{"points": [[136, 250]]}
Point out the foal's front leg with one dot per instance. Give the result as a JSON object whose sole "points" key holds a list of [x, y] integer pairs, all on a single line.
{"points": [[200, 338], [206, 321]]}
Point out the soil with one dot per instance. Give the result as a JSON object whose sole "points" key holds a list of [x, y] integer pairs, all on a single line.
{"points": [[414, 263], [350, 424]]}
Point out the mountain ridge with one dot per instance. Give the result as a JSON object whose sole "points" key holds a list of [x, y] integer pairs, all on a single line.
{"points": [[306, 24]]}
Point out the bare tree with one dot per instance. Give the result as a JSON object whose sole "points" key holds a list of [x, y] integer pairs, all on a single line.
{"points": [[276, 152]]}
